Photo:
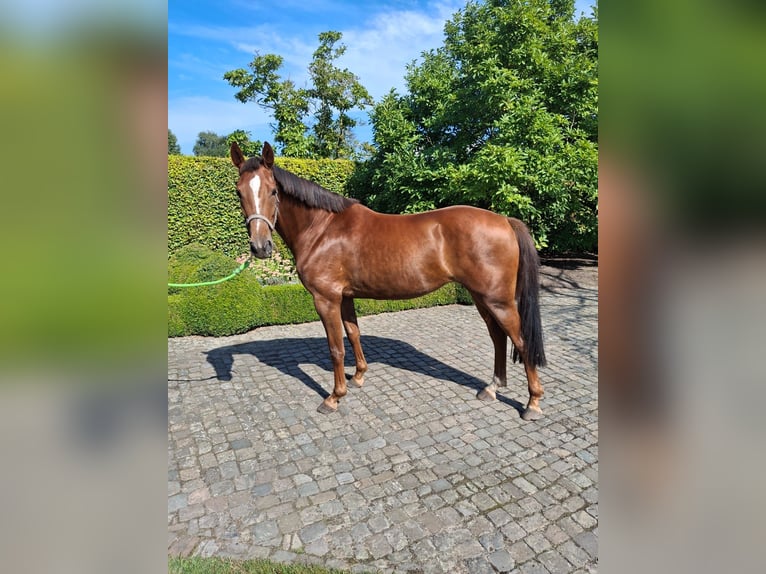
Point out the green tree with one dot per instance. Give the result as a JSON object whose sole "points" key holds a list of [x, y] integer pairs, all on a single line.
{"points": [[249, 147], [288, 104], [325, 133], [503, 116], [173, 147], [211, 144], [336, 92]]}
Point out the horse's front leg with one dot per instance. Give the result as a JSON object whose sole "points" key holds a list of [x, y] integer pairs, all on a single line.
{"points": [[329, 312], [348, 313]]}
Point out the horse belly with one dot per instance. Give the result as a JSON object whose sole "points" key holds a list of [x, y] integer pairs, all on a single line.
{"points": [[389, 290], [380, 272]]}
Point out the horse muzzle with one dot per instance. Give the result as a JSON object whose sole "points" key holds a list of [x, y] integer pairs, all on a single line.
{"points": [[262, 249]]}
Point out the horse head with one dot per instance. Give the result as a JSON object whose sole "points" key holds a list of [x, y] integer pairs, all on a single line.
{"points": [[258, 196]]}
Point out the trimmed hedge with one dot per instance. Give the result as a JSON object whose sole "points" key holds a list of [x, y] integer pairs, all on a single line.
{"points": [[202, 202], [242, 304]]}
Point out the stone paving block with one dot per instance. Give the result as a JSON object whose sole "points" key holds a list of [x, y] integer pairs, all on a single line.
{"points": [[177, 502], [289, 522], [520, 551], [379, 546], [478, 565], [378, 523], [499, 517], [317, 547], [574, 554], [412, 530], [360, 531], [588, 542], [265, 531], [502, 561], [413, 474], [533, 567]]}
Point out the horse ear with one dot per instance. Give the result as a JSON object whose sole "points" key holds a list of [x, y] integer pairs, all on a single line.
{"points": [[237, 157], [268, 155]]}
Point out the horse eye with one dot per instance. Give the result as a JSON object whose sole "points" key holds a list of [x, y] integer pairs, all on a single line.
{"points": [[273, 191]]}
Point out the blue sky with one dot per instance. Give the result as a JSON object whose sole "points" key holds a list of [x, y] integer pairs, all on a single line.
{"points": [[206, 39]]}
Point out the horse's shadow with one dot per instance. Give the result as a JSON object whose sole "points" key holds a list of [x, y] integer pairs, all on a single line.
{"points": [[287, 355]]}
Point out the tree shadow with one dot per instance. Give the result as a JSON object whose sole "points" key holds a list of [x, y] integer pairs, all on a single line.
{"points": [[287, 355], [565, 272]]}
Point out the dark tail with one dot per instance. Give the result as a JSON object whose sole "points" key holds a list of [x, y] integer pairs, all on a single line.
{"points": [[527, 291]]}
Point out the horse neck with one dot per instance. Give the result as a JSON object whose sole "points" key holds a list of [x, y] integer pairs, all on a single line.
{"points": [[298, 224]]}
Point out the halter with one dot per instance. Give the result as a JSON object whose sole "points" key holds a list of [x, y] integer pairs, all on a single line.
{"points": [[272, 226]]}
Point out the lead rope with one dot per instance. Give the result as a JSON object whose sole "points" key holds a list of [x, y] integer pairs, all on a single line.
{"points": [[241, 268], [236, 272]]}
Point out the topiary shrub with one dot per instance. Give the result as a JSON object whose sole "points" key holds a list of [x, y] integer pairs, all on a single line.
{"points": [[222, 309]]}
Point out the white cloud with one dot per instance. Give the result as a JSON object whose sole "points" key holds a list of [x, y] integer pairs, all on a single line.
{"points": [[379, 51], [226, 34], [188, 116]]}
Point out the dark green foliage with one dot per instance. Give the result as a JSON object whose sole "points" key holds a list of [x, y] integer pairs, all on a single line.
{"points": [[242, 138], [173, 147], [447, 295], [241, 304], [284, 305], [196, 263], [503, 116], [212, 310], [176, 326], [203, 206], [211, 144]]}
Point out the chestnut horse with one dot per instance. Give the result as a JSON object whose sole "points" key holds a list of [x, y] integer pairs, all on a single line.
{"points": [[344, 250]]}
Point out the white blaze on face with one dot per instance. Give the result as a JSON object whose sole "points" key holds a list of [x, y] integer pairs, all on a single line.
{"points": [[255, 186]]}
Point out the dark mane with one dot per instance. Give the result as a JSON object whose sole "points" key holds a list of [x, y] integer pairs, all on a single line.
{"points": [[308, 192]]}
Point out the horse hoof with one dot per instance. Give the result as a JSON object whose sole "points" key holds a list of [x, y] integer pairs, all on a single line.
{"points": [[326, 409], [357, 383], [486, 394], [532, 414], [499, 382]]}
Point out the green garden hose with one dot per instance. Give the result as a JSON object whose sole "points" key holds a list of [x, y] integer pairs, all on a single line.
{"points": [[236, 272]]}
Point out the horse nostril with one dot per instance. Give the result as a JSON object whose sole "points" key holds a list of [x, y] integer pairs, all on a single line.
{"points": [[263, 250]]}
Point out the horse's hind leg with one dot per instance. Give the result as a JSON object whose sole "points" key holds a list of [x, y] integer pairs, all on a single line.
{"points": [[533, 410], [352, 332], [500, 342], [508, 316]]}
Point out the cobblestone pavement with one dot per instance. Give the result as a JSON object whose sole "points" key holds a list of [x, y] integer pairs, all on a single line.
{"points": [[413, 474]]}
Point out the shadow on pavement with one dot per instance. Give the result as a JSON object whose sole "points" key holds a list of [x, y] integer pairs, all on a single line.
{"points": [[287, 355]]}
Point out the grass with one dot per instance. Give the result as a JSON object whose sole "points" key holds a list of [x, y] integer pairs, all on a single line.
{"points": [[229, 566]]}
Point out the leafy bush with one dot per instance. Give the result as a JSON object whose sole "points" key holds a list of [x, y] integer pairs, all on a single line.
{"points": [[220, 309], [241, 304]]}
